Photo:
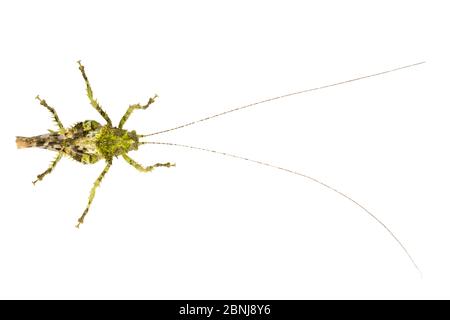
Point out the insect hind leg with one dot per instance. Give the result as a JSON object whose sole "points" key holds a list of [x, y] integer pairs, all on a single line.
{"points": [[90, 95], [52, 111], [92, 193], [134, 107], [50, 168]]}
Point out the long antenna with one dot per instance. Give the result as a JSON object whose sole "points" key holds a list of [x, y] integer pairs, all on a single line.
{"points": [[302, 175], [281, 97]]}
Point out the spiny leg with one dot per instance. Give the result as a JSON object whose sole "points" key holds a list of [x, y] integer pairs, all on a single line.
{"points": [[50, 169], [90, 95], [92, 194], [146, 169], [52, 111], [134, 107]]}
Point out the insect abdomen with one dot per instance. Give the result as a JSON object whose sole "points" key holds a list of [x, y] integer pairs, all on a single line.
{"points": [[23, 142], [51, 141]]}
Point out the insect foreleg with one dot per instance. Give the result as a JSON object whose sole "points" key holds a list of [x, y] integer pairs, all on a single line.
{"points": [[92, 194], [50, 169], [52, 111], [134, 107], [141, 168], [90, 95]]}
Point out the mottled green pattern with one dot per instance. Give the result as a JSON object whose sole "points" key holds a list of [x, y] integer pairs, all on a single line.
{"points": [[89, 142]]}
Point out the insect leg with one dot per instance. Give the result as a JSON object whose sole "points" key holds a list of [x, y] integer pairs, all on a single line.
{"points": [[92, 194], [90, 95], [134, 107], [140, 168], [50, 169], [52, 111]]}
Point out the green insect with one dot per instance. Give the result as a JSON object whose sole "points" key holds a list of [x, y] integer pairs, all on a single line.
{"points": [[89, 141]]}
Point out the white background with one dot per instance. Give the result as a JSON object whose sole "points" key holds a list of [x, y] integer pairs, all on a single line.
{"points": [[216, 227]]}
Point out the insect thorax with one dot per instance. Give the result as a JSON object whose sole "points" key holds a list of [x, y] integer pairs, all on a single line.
{"points": [[112, 142], [89, 142]]}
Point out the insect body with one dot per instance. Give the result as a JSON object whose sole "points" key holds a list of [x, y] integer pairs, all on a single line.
{"points": [[89, 141], [86, 142]]}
